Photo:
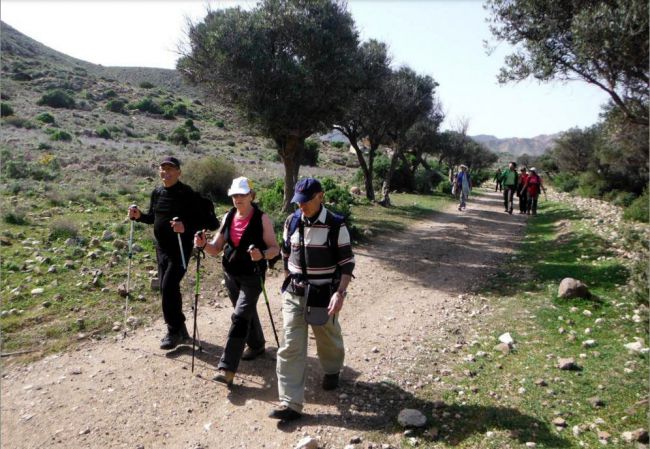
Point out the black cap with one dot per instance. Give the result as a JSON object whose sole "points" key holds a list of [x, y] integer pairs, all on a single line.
{"points": [[171, 160]]}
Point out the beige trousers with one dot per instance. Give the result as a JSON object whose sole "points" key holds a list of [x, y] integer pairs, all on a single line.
{"points": [[292, 355]]}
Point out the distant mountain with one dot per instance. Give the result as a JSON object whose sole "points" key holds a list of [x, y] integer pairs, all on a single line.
{"points": [[535, 146]]}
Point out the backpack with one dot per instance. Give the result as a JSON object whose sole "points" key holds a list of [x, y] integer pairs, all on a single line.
{"points": [[533, 180], [207, 217], [332, 236]]}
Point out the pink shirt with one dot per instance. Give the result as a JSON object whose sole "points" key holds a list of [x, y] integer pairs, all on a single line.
{"points": [[238, 226]]}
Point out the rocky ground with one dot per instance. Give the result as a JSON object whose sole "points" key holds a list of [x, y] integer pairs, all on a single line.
{"points": [[411, 301]]}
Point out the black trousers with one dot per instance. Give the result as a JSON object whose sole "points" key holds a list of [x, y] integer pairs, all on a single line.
{"points": [[170, 274], [532, 204], [523, 202], [245, 327]]}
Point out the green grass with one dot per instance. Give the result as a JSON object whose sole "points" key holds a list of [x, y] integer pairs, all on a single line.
{"points": [[531, 311]]}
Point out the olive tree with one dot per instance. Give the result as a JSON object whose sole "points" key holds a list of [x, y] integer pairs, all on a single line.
{"points": [[286, 65]]}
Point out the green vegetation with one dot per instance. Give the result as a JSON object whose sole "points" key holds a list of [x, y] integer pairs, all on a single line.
{"points": [[117, 106], [146, 85], [517, 395], [147, 104], [57, 98], [638, 209], [210, 176], [104, 133], [45, 117], [6, 109], [18, 122], [62, 135]]}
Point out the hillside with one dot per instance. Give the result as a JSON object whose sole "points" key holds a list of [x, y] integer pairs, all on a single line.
{"points": [[535, 146]]}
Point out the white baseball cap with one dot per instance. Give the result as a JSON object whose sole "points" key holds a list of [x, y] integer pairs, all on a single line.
{"points": [[240, 186]]}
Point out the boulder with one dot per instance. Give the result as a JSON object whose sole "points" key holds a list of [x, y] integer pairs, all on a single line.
{"points": [[307, 443], [567, 364], [573, 288], [409, 417]]}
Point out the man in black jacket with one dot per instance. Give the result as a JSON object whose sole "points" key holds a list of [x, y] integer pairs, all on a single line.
{"points": [[171, 200]]}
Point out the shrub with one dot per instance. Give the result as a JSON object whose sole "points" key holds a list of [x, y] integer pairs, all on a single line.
{"points": [[270, 198], [179, 136], [143, 170], [103, 133], [117, 106], [592, 185], [18, 122], [638, 210], [310, 153], [338, 144], [63, 228], [161, 136], [6, 110], [210, 176], [219, 123], [180, 109], [146, 85], [15, 217], [169, 114], [147, 105], [194, 134], [57, 98], [59, 134], [566, 182], [426, 181], [110, 94], [337, 198], [44, 146], [620, 198], [45, 117]]}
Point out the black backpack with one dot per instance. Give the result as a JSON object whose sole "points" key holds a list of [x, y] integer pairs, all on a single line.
{"points": [[207, 217]]}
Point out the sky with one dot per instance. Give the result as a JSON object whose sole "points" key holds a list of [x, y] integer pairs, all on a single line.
{"points": [[440, 38]]}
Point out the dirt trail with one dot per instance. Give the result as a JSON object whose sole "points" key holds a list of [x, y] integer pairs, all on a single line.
{"points": [[129, 394]]}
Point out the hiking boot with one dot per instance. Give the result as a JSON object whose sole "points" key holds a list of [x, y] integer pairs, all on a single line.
{"points": [[251, 354], [285, 413], [330, 381], [170, 341], [225, 377], [510, 211], [184, 335]]}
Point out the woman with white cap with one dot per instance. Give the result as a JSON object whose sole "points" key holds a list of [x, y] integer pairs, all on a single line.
{"points": [[244, 226]]}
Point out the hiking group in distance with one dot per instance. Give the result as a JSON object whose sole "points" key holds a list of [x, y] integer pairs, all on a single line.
{"points": [[317, 259]]}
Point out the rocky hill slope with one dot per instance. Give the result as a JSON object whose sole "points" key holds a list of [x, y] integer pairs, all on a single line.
{"points": [[535, 146]]}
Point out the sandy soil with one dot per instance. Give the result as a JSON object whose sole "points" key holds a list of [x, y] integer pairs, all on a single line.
{"points": [[406, 305]]}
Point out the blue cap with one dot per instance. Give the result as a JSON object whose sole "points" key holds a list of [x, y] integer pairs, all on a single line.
{"points": [[171, 160], [305, 190]]}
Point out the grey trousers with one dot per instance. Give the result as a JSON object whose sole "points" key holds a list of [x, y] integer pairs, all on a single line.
{"points": [[245, 327], [292, 355]]}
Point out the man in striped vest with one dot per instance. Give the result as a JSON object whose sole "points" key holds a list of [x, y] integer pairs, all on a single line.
{"points": [[317, 258]]}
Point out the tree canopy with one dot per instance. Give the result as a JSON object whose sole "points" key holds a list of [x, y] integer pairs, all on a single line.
{"points": [[287, 65], [602, 42]]}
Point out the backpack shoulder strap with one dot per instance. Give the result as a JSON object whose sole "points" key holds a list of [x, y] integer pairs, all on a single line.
{"points": [[225, 230]]}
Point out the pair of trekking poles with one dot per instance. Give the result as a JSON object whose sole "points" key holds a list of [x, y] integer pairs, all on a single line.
{"points": [[199, 254]]}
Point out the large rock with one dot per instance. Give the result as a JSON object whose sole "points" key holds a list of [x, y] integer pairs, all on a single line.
{"points": [[568, 364], [411, 418], [573, 288]]}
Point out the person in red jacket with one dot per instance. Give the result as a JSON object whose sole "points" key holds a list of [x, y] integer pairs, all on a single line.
{"points": [[523, 197], [533, 186]]}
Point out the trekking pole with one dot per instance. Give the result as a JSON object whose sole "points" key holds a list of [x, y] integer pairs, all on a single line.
{"points": [[195, 332], [128, 272], [266, 298], [180, 245]]}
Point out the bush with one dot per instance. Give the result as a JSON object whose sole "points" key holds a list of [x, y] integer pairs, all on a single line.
{"points": [[45, 117], [426, 181], [169, 114], [146, 85], [6, 110], [117, 106], [620, 198], [59, 134], [592, 185], [110, 94], [180, 109], [219, 123], [337, 198], [57, 98], [15, 217], [179, 136], [194, 135], [63, 228], [338, 144], [638, 210], [147, 105], [566, 182], [210, 176], [270, 199], [18, 122], [310, 153], [103, 133]]}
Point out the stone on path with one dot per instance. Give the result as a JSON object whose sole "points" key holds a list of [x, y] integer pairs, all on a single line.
{"points": [[307, 443], [409, 417], [573, 288]]}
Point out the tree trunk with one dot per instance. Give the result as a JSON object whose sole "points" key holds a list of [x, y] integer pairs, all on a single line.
{"points": [[291, 153], [367, 173], [385, 190], [370, 185]]}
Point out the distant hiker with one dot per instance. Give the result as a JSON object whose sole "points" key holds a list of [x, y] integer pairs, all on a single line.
{"points": [[172, 200], [533, 186], [521, 192], [497, 181], [509, 180], [318, 265], [463, 186], [244, 225]]}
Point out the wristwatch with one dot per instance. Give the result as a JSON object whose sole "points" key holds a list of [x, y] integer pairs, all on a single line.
{"points": [[342, 293]]}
